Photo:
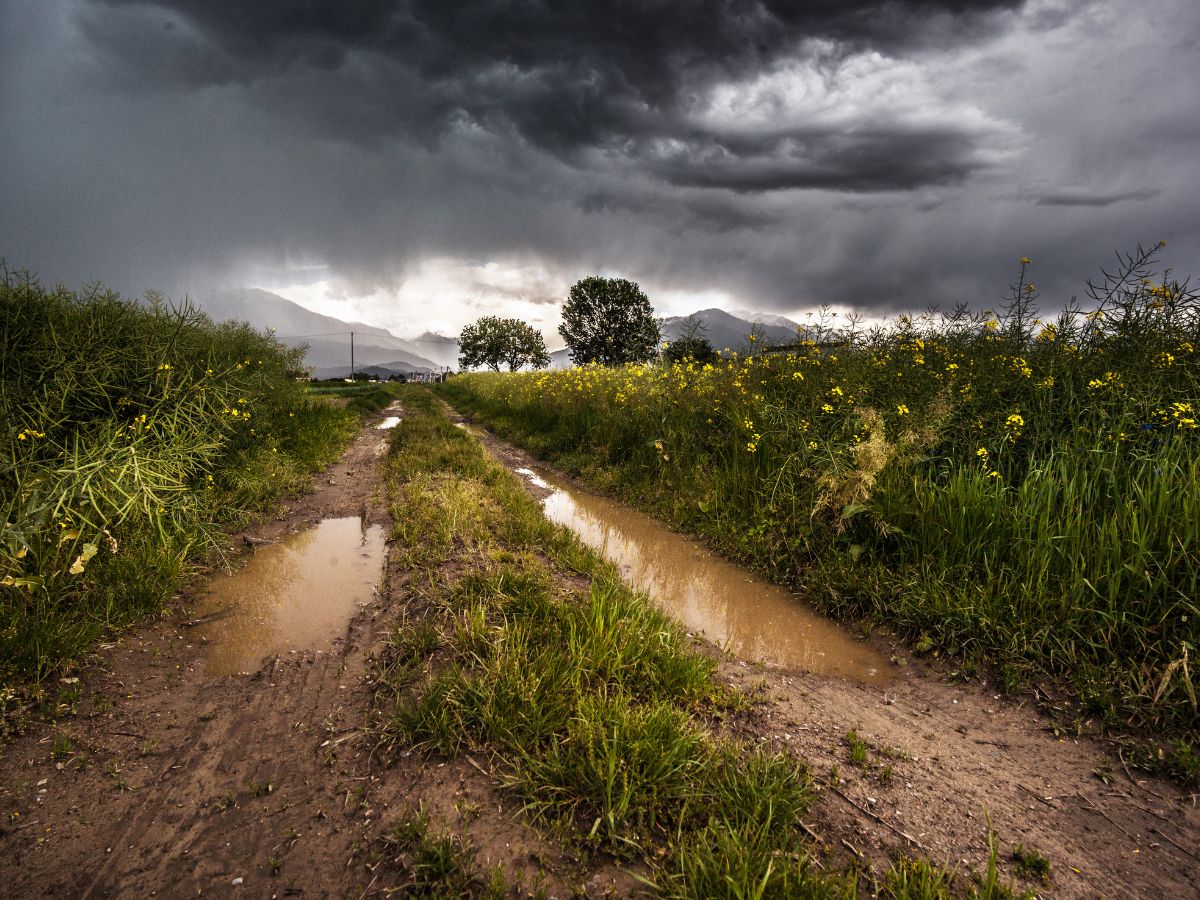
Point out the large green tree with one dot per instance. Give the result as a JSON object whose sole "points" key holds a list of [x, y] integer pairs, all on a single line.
{"points": [[609, 321], [492, 340]]}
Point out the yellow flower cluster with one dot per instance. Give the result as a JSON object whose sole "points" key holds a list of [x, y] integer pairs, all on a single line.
{"points": [[1110, 379], [1183, 414]]}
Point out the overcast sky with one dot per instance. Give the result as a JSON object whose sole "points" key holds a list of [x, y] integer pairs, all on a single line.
{"points": [[418, 163]]}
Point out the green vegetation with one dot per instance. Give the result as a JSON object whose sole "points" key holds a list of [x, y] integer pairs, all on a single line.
{"points": [[994, 485], [132, 432], [1030, 863], [608, 321], [691, 345], [857, 748], [915, 879], [491, 341], [527, 648], [439, 864], [920, 879]]}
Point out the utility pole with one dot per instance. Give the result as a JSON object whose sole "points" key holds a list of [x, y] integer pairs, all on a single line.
{"points": [[352, 356]]}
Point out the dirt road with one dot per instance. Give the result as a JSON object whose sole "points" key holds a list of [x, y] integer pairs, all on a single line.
{"points": [[160, 779], [943, 758], [167, 780]]}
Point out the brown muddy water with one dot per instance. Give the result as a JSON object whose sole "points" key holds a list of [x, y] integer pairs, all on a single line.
{"points": [[748, 616], [298, 594]]}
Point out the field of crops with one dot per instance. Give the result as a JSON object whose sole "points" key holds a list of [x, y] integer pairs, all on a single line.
{"points": [[994, 485], [132, 433]]}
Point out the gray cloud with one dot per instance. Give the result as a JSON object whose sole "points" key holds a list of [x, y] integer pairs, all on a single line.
{"points": [[864, 162], [876, 154], [1087, 198], [569, 79]]}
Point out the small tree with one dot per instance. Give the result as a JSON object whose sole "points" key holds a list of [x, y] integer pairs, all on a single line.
{"points": [[609, 321], [491, 341], [691, 343]]}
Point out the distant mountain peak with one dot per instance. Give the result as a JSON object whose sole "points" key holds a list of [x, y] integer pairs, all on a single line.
{"points": [[264, 309], [766, 318], [727, 331], [327, 338]]}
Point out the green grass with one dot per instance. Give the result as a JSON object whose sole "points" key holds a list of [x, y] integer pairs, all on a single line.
{"points": [[1030, 863], [362, 398], [133, 433], [998, 487], [856, 747], [439, 864], [527, 648], [915, 879]]}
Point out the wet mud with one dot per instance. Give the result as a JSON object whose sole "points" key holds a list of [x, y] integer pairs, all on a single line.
{"points": [[751, 618], [297, 594]]}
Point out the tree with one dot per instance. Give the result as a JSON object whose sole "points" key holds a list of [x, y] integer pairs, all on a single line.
{"points": [[609, 321], [691, 343], [492, 341]]}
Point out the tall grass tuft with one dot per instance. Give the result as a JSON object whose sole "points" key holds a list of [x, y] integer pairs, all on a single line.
{"points": [[131, 432], [998, 484]]}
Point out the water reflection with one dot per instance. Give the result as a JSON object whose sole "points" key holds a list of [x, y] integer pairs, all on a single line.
{"points": [[753, 618], [389, 422], [295, 595]]}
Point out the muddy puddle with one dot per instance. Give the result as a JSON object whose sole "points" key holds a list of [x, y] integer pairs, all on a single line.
{"points": [[752, 618], [297, 594], [389, 422]]}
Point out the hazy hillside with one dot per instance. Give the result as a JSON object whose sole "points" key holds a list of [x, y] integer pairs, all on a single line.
{"points": [[765, 318], [726, 331], [377, 349], [723, 330], [328, 338], [439, 348]]}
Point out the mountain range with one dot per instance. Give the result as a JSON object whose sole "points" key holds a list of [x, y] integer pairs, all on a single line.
{"points": [[379, 352], [725, 331], [376, 350]]}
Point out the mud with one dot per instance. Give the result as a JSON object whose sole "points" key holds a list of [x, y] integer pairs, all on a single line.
{"points": [[298, 594], [750, 618], [157, 778]]}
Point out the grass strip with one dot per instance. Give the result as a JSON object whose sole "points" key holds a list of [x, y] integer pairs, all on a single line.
{"points": [[595, 710]]}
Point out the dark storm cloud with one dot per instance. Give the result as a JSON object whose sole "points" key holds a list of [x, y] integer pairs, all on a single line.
{"points": [[1087, 198], [708, 211], [575, 80], [878, 155], [864, 161]]}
